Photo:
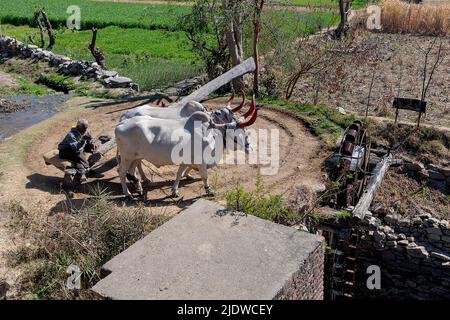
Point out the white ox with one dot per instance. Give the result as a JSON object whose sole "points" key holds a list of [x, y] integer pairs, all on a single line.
{"points": [[173, 112], [146, 138], [220, 116]]}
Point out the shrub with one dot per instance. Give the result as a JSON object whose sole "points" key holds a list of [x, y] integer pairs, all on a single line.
{"points": [[260, 204]]}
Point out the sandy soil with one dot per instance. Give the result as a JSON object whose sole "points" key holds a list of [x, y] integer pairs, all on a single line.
{"points": [[386, 53], [298, 158]]}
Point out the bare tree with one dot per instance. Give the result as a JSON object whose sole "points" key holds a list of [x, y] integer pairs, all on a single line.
{"points": [[233, 13], [344, 10], [258, 7], [48, 25], [37, 18], [97, 53]]}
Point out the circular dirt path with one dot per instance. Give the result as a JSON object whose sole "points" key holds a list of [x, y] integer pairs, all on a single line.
{"points": [[300, 163]]}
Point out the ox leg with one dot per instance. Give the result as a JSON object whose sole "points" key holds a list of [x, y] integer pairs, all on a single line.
{"points": [[175, 191], [123, 169], [137, 183], [144, 178], [204, 174], [187, 174]]}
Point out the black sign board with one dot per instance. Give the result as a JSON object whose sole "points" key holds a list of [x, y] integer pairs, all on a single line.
{"points": [[410, 104]]}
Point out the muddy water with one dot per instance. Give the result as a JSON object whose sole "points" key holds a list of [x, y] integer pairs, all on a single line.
{"points": [[40, 108]]}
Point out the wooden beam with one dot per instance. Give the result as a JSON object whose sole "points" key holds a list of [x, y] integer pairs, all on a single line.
{"points": [[374, 183], [202, 93]]}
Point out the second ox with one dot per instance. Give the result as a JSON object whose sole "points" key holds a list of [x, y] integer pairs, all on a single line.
{"points": [[155, 140]]}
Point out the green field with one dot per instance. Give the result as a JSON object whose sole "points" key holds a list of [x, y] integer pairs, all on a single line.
{"points": [[357, 4], [98, 14], [141, 41]]}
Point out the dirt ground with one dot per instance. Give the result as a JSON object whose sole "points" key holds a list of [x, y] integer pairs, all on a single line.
{"points": [[390, 55], [37, 186]]}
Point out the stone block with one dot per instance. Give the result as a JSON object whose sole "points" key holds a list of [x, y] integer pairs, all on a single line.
{"points": [[207, 253]]}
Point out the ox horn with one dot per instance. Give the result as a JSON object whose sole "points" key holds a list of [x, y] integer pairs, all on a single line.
{"points": [[230, 101], [251, 110], [253, 117], [242, 103]]}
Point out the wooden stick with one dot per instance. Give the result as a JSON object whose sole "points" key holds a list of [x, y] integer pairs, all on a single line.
{"points": [[374, 183]]}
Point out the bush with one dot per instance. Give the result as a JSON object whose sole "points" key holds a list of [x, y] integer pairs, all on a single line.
{"points": [[87, 238], [260, 204]]}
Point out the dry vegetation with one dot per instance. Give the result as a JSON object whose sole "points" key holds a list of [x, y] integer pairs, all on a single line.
{"points": [[88, 237], [401, 17]]}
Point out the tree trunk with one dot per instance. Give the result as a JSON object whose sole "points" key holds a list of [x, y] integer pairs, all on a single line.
{"points": [[259, 4], [234, 37], [344, 7], [41, 27], [48, 25], [97, 53]]}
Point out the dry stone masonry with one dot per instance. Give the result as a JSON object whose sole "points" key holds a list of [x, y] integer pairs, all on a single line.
{"points": [[413, 255], [11, 47]]}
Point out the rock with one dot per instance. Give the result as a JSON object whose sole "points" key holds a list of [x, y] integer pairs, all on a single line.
{"points": [[445, 172], [405, 223], [410, 239], [402, 236], [379, 236], [108, 74], [391, 236], [417, 251], [424, 175], [391, 219], [446, 239], [414, 166], [436, 231], [435, 175], [392, 244], [434, 237], [440, 256], [118, 82], [432, 222], [425, 216], [135, 87], [410, 284], [341, 110], [444, 224], [417, 221]]}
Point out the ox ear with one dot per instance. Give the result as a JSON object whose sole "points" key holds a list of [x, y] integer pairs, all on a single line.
{"points": [[199, 116], [196, 106]]}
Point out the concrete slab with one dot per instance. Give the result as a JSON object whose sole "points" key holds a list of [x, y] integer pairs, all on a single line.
{"points": [[208, 253]]}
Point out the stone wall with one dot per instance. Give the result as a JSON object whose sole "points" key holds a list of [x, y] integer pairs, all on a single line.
{"points": [[307, 283], [11, 47], [413, 255], [436, 176]]}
